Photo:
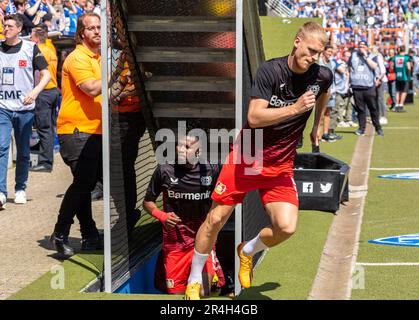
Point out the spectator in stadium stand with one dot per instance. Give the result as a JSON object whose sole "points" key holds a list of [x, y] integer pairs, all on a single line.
{"points": [[28, 24], [403, 69], [11, 8], [362, 72], [47, 21], [3, 8], [97, 8], [329, 123], [388, 14], [186, 187], [343, 96], [380, 83], [39, 8], [391, 77], [283, 95], [80, 5], [46, 103], [71, 15], [18, 60], [79, 128], [90, 6]]}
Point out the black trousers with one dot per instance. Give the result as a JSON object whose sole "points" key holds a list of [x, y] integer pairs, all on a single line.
{"points": [[127, 130], [82, 152], [45, 116], [367, 99]]}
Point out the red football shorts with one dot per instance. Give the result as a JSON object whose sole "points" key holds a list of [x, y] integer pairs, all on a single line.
{"points": [[173, 268], [275, 183]]}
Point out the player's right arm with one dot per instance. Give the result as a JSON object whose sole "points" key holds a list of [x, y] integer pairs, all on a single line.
{"points": [[168, 219], [260, 115]]}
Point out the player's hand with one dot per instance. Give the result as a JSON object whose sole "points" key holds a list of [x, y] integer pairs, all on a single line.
{"points": [[30, 98], [314, 136], [306, 102], [172, 220]]}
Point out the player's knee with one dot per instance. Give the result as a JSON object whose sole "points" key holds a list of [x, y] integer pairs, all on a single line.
{"points": [[215, 221], [285, 230], [289, 230]]}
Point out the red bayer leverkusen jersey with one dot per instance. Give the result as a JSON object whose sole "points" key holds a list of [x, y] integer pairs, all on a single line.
{"points": [[276, 83], [187, 193]]}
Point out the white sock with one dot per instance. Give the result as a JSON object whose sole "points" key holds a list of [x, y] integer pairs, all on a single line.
{"points": [[254, 246], [198, 263]]}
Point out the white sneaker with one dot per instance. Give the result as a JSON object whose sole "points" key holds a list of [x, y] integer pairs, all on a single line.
{"points": [[352, 124], [383, 120], [343, 124], [20, 197], [3, 201]]}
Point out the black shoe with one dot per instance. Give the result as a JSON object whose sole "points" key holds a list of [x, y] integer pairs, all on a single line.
{"points": [[61, 244], [92, 243], [97, 193], [380, 132], [40, 168], [359, 132], [334, 136], [327, 138]]}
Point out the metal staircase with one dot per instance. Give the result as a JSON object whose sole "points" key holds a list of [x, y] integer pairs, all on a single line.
{"points": [[186, 52]]}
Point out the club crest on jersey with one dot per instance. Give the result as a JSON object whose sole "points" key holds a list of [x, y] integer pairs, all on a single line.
{"points": [[220, 188], [174, 180], [206, 181], [170, 283], [315, 88], [23, 63]]}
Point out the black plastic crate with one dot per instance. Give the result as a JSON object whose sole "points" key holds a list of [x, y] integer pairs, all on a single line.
{"points": [[322, 181]]}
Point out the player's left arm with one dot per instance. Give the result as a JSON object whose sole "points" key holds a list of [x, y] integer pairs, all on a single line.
{"points": [[319, 110]]}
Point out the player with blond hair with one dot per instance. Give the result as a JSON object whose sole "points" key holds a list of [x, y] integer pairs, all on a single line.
{"points": [[283, 95]]}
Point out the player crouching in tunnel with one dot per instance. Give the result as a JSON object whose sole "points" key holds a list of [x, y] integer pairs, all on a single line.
{"points": [[186, 186]]}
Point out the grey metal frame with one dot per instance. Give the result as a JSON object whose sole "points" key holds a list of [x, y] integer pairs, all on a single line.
{"points": [[107, 271], [239, 125]]}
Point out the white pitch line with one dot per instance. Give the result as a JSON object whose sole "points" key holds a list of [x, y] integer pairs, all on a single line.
{"points": [[402, 128], [393, 169], [388, 264]]}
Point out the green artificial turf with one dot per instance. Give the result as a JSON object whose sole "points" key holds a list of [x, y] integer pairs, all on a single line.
{"points": [[389, 283], [288, 270], [390, 210]]}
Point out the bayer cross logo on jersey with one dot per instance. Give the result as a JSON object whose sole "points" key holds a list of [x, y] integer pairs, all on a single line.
{"points": [[220, 188], [206, 181], [315, 88]]}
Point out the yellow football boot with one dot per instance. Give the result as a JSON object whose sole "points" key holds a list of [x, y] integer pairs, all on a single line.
{"points": [[246, 267], [192, 291]]}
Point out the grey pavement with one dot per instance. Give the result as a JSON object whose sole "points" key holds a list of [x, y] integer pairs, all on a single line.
{"points": [[25, 252]]}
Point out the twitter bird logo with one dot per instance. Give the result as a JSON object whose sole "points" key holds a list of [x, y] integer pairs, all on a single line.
{"points": [[325, 188]]}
